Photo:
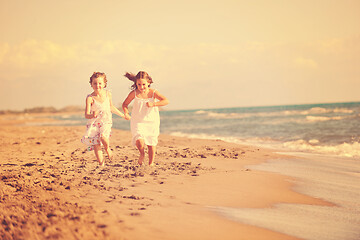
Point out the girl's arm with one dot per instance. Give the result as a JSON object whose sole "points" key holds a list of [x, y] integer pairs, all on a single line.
{"points": [[163, 101], [113, 108], [126, 103], [88, 113]]}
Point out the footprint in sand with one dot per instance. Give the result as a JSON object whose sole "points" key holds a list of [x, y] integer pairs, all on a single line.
{"points": [[101, 226]]}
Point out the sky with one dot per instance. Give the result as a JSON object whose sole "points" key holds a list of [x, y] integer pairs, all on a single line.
{"points": [[200, 54]]}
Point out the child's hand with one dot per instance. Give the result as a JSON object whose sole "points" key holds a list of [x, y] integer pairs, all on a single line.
{"points": [[127, 116], [95, 114], [150, 104]]}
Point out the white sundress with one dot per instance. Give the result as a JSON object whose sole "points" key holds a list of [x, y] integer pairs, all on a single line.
{"points": [[145, 121], [99, 126]]}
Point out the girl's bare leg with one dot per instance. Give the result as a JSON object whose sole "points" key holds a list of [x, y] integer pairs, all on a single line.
{"points": [[106, 144], [140, 145], [99, 154], [152, 152]]}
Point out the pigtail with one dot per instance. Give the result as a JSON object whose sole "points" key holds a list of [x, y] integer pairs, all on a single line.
{"points": [[132, 78]]}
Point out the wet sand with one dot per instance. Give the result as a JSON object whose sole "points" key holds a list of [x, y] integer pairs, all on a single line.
{"points": [[52, 188], [334, 178]]}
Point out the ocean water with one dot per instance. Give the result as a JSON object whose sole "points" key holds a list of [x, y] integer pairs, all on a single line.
{"points": [[319, 128], [332, 129]]}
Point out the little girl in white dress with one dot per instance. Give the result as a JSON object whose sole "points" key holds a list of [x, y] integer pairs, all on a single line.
{"points": [[99, 109], [99, 126], [145, 119]]}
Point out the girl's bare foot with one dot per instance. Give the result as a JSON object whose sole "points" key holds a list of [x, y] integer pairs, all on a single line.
{"points": [[152, 150], [151, 163], [141, 158], [102, 164], [109, 153]]}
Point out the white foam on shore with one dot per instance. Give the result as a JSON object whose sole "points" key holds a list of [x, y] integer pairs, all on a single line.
{"points": [[348, 150], [333, 179]]}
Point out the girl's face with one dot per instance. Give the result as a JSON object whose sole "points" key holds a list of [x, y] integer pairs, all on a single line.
{"points": [[142, 85], [98, 84]]}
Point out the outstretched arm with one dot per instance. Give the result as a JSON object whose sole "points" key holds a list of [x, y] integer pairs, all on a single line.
{"points": [[126, 103], [163, 101], [114, 109]]}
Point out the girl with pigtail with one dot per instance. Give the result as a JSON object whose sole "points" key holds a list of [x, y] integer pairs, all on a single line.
{"points": [[145, 119]]}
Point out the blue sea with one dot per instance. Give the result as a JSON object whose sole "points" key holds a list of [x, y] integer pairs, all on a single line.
{"points": [[331, 129]]}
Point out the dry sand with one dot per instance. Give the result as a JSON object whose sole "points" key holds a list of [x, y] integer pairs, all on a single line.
{"points": [[52, 188]]}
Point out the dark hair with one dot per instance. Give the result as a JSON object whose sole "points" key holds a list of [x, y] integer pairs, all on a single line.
{"points": [[141, 75], [96, 75]]}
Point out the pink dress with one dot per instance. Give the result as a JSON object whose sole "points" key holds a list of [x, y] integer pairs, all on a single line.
{"points": [[145, 121], [99, 126]]}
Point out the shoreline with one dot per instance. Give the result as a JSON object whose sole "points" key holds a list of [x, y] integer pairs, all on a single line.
{"points": [[332, 178], [51, 187]]}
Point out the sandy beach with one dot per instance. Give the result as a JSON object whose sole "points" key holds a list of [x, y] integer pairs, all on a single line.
{"points": [[53, 188]]}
